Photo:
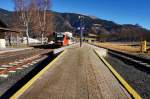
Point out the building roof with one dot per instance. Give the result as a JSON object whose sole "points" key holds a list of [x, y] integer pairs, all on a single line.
{"points": [[4, 28], [8, 30], [3, 25]]}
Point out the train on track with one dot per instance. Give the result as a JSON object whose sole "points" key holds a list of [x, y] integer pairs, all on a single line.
{"points": [[63, 38]]}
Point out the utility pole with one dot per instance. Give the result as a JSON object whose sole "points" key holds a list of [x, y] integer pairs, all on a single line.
{"points": [[81, 30]]}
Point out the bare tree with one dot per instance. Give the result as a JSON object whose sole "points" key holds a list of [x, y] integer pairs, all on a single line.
{"points": [[34, 15], [44, 19], [24, 15]]}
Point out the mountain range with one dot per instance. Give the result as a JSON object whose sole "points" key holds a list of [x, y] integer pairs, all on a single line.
{"points": [[103, 29]]}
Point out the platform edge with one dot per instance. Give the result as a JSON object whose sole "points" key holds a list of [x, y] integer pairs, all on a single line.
{"points": [[29, 83], [131, 91]]}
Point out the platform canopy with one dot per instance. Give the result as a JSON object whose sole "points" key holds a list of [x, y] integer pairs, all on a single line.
{"points": [[8, 30]]}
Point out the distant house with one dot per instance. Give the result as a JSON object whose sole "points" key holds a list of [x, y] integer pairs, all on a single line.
{"points": [[5, 30], [92, 37]]}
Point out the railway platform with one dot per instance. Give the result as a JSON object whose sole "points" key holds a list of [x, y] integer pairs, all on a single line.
{"points": [[77, 73]]}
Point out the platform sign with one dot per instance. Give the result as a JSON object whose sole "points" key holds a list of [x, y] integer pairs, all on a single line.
{"points": [[79, 28]]}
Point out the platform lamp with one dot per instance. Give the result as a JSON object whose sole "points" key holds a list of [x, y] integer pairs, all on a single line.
{"points": [[81, 29]]}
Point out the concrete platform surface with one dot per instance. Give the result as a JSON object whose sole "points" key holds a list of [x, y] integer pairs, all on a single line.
{"points": [[78, 74]]}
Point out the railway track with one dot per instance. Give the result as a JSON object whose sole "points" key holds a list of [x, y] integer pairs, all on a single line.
{"points": [[139, 62], [14, 56], [134, 69], [21, 64], [10, 62], [18, 67]]}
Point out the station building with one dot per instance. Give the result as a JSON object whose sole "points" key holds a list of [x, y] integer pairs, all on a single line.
{"points": [[5, 34]]}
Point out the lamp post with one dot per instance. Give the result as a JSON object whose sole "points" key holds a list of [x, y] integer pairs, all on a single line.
{"points": [[81, 29]]}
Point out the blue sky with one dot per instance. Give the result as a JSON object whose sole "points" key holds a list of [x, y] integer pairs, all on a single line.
{"points": [[119, 11]]}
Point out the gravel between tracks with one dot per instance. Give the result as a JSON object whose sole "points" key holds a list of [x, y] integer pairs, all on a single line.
{"points": [[6, 83], [6, 58], [138, 79]]}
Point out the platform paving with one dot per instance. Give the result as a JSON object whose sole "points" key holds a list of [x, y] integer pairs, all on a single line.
{"points": [[78, 74]]}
